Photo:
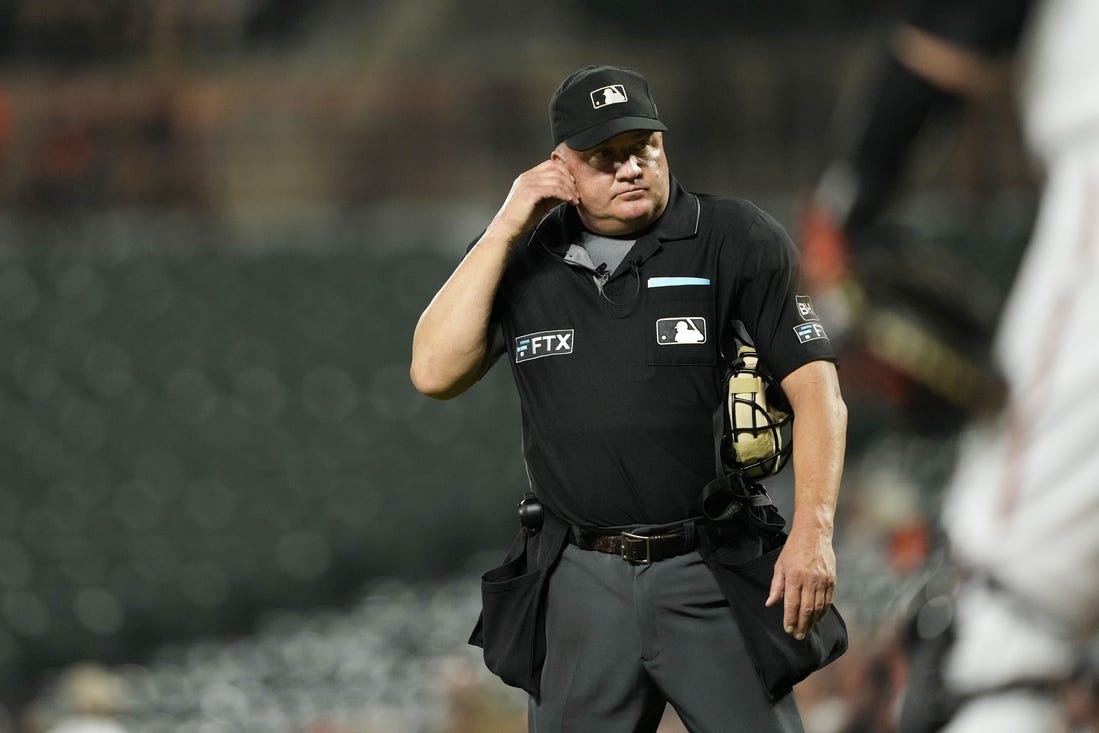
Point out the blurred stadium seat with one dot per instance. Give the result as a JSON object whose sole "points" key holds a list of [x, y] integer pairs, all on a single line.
{"points": [[385, 664], [194, 435]]}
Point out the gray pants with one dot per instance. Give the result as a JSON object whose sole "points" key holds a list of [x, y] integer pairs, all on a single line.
{"points": [[623, 640]]}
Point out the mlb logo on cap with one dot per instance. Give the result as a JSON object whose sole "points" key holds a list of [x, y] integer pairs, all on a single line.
{"points": [[613, 94], [598, 102]]}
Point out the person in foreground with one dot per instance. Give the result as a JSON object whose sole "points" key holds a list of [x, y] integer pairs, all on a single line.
{"points": [[1021, 511], [616, 294]]}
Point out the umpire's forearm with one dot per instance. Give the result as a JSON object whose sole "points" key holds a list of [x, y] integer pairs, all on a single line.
{"points": [[450, 344], [819, 443]]}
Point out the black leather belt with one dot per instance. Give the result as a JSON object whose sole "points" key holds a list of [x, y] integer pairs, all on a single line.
{"points": [[637, 548]]}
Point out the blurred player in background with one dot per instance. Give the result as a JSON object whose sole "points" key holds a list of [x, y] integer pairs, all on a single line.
{"points": [[1022, 509]]}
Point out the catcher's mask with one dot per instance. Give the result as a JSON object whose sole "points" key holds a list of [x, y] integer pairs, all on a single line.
{"points": [[758, 431]]}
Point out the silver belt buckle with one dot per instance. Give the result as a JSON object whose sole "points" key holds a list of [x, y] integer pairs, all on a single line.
{"points": [[632, 541]]}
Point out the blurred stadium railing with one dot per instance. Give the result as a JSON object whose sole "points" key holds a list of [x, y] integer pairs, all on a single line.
{"points": [[386, 663]]}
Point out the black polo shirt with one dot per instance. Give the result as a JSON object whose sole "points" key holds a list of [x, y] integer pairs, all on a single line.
{"points": [[618, 381]]}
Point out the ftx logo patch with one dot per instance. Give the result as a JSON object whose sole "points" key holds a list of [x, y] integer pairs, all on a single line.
{"points": [[810, 332], [543, 343]]}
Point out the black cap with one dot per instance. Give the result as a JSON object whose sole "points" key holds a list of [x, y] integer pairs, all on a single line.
{"points": [[598, 102]]}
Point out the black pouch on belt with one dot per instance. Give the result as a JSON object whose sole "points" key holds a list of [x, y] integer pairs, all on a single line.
{"points": [[780, 659], [511, 628]]}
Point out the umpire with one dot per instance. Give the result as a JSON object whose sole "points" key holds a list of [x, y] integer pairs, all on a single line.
{"points": [[615, 292]]}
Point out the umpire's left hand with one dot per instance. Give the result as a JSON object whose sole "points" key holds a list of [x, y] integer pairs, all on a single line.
{"points": [[805, 579]]}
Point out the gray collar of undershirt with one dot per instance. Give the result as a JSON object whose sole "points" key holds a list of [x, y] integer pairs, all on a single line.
{"points": [[605, 250]]}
